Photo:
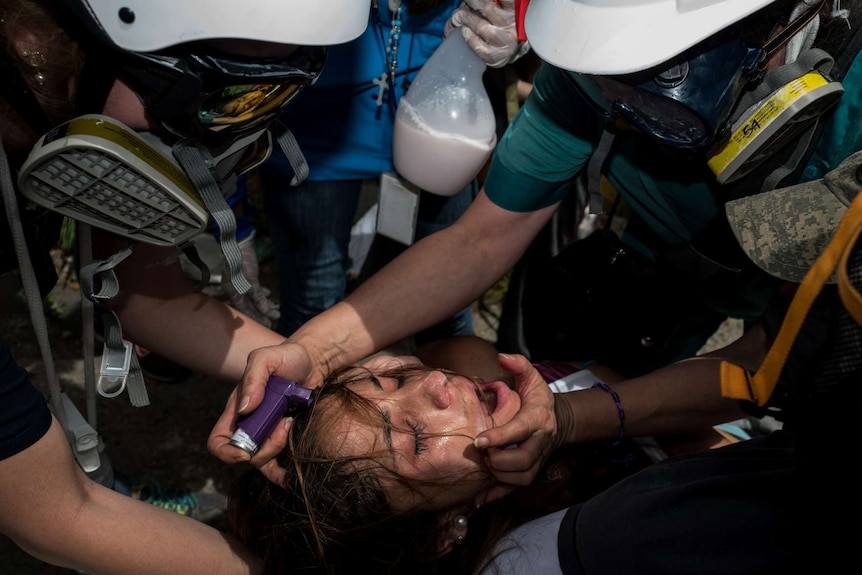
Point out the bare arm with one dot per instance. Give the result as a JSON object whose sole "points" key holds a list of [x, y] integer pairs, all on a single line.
{"points": [[429, 282], [679, 398], [467, 355], [159, 309], [55, 513]]}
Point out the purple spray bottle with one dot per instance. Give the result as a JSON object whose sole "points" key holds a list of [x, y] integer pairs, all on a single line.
{"points": [[254, 428]]}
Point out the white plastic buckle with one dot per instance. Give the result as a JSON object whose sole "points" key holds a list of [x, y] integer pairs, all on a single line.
{"points": [[114, 370], [85, 440]]}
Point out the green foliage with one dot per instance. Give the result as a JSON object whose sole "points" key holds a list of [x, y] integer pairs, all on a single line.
{"points": [[67, 235]]}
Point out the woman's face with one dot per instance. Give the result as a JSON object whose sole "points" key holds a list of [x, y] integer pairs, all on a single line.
{"points": [[430, 419]]}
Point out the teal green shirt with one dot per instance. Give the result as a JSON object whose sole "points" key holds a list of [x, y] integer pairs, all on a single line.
{"points": [[550, 141], [553, 136], [842, 135]]}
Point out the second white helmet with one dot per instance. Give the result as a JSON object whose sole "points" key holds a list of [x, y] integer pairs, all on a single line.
{"points": [[624, 36]]}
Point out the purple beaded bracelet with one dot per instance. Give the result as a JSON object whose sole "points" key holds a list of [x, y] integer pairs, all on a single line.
{"points": [[620, 410]]}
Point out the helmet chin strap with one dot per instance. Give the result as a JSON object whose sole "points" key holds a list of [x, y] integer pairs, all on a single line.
{"points": [[797, 23]]}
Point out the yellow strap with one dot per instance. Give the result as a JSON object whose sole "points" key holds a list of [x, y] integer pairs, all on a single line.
{"points": [[850, 296], [738, 383]]}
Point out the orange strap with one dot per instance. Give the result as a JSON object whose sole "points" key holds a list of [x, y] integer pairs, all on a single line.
{"points": [[850, 296], [737, 382]]}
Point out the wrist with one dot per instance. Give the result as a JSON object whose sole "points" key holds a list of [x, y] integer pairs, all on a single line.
{"points": [[621, 414], [321, 361], [565, 416]]}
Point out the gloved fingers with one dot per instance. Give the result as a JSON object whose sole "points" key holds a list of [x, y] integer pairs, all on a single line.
{"points": [[263, 304], [491, 33], [500, 14], [496, 34], [493, 56], [244, 305]]}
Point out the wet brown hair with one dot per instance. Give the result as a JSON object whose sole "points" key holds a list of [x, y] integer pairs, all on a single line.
{"points": [[332, 514]]}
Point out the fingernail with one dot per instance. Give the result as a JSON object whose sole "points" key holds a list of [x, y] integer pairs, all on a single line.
{"points": [[481, 442], [505, 355], [244, 456], [288, 422], [244, 403]]}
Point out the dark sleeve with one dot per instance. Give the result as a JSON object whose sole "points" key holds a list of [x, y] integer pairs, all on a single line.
{"points": [[24, 414], [731, 510]]}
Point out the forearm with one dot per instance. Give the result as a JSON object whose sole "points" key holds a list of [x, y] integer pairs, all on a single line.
{"points": [[679, 398], [194, 330], [467, 355], [159, 309], [60, 516], [676, 399], [429, 282]]}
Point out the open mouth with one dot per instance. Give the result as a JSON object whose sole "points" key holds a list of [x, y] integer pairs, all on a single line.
{"points": [[493, 395], [488, 399]]}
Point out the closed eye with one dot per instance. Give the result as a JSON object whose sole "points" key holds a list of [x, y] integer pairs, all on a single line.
{"points": [[421, 443]]}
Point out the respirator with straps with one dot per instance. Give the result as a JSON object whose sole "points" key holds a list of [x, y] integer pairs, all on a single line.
{"points": [[719, 98], [161, 189]]}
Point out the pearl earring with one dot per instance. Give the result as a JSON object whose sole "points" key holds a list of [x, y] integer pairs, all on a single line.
{"points": [[461, 525], [35, 59]]}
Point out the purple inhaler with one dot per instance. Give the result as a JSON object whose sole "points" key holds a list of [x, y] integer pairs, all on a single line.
{"points": [[255, 427]]}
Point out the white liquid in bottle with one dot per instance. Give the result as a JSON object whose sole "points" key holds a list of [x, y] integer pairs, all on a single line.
{"points": [[440, 163], [445, 127]]}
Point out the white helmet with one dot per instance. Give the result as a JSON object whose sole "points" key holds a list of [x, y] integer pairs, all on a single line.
{"points": [[624, 36], [151, 25]]}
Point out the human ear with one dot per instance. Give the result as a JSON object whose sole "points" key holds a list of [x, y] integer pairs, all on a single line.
{"points": [[452, 530]]}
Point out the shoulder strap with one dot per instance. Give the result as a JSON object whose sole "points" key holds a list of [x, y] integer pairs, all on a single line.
{"points": [[738, 383]]}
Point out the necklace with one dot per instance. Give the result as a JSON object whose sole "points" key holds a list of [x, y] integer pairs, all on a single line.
{"points": [[391, 55]]}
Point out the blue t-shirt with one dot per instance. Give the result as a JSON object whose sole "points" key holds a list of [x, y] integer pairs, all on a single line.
{"points": [[24, 414], [340, 129]]}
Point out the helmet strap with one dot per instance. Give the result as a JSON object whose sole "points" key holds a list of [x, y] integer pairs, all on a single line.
{"points": [[778, 40]]}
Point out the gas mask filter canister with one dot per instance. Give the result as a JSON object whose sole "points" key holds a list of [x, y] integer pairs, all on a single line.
{"points": [[97, 170], [766, 126]]}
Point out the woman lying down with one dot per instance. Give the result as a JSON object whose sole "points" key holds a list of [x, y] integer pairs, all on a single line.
{"points": [[382, 475]]}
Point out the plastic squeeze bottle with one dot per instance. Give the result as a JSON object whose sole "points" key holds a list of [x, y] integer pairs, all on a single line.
{"points": [[445, 128]]}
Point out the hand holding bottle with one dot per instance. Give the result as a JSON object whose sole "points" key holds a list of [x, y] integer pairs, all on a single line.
{"points": [[488, 26], [445, 128]]}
